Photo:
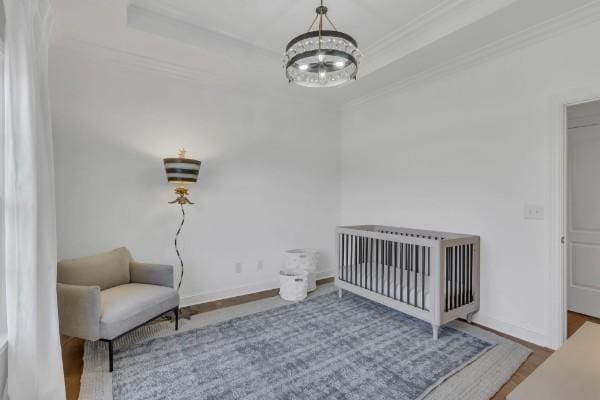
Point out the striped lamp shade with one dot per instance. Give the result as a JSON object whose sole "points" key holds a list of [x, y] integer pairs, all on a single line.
{"points": [[181, 171]]}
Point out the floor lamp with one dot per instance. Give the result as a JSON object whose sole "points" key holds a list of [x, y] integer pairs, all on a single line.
{"points": [[181, 171]]}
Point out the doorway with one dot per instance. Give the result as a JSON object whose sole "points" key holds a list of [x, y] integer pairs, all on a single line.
{"points": [[582, 206]]}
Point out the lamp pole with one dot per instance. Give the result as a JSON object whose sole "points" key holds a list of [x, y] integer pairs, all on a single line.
{"points": [[181, 171]]}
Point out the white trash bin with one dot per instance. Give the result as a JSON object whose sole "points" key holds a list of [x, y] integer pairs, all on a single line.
{"points": [[305, 259], [293, 284]]}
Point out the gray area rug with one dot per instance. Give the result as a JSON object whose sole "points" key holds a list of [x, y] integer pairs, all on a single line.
{"points": [[320, 348]]}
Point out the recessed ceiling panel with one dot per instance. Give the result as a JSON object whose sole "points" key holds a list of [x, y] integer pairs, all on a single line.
{"points": [[270, 24]]}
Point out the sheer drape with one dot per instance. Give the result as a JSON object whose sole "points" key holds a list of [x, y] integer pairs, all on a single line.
{"points": [[34, 358]]}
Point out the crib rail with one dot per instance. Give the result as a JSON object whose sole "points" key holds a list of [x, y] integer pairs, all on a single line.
{"points": [[431, 275], [392, 268]]}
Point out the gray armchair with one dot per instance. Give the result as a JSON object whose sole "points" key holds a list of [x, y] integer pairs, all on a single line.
{"points": [[104, 296]]}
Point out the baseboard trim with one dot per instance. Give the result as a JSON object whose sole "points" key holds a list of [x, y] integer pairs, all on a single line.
{"points": [[207, 297], [527, 335]]}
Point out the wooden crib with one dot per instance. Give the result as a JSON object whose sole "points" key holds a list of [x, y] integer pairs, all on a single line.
{"points": [[433, 276]]}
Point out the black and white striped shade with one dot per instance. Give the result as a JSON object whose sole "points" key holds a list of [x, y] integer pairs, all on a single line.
{"points": [[181, 171]]}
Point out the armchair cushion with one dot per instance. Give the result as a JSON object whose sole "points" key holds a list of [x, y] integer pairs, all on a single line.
{"points": [[105, 270], [127, 306]]}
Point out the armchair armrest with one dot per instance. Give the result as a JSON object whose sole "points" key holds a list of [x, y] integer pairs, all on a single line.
{"points": [[79, 310], [152, 274]]}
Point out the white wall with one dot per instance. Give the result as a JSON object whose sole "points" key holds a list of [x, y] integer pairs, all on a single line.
{"points": [[465, 153], [269, 179]]}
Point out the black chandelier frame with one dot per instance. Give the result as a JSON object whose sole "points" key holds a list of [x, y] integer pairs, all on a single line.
{"points": [[321, 66]]}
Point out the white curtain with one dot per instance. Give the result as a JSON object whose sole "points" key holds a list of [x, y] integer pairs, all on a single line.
{"points": [[34, 355]]}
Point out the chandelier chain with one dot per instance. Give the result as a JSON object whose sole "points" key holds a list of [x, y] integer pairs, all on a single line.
{"points": [[320, 25], [330, 22], [320, 17], [313, 23]]}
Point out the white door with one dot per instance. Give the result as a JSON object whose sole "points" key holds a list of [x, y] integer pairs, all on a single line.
{"points": [[583, 206]]}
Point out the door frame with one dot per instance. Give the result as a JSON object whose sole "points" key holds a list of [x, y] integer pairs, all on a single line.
{"points": [[558, 280]]}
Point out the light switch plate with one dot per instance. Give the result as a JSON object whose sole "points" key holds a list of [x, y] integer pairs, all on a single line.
{"points": [[534, 211]]}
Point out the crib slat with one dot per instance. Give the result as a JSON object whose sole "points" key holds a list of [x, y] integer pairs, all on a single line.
{"points": [[471, 273], [382, 268], [347, 258], [408, 252], [395, 268], [342, 258], [364, 277], [451, 283], [389, 265], [383, 256], [455, 281], [460, 278], [339, 249], [377, 265], [416, 274], [460, 275], [409, 272], [354, 259], [341, 254], [358, 265], [423, 278], [371, 267], [362, 260], [463, 271], [446, 279], [466, 274], [449, 279], [401, 287]]}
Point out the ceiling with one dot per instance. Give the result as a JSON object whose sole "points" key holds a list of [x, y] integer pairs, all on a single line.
{"points": [[270, 24], [240, 42]]}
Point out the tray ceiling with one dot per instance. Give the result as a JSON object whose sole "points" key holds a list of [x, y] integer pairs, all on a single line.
{"points": [[240, 42], [270, 24]]}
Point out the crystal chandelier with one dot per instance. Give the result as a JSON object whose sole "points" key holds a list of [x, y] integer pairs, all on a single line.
{"points": [[321, 58]]}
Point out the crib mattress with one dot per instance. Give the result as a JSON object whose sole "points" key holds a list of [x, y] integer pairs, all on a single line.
{"points": [[404, 288]]}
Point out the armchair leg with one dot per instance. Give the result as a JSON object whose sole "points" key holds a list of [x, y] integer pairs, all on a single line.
{"points": [[110, 342], [110, 354], [176, 311]]}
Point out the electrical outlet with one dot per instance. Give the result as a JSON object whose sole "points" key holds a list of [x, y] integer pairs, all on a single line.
{"points": [[238, 268], [259, 265], [534, 211]]}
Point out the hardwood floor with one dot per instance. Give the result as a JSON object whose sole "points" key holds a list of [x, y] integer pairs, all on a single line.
{"points": [[72, 348], [538, 356], [72, 355], [575, 321]]}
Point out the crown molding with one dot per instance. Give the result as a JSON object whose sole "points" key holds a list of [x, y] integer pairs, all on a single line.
{"points": [[553, 27], [159, 8], [129, 60], [442, 20], [134, 60]]}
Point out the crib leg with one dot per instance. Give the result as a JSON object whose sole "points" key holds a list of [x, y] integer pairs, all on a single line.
{"points": [[435, 329], [470, 317], [340, 293]]}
